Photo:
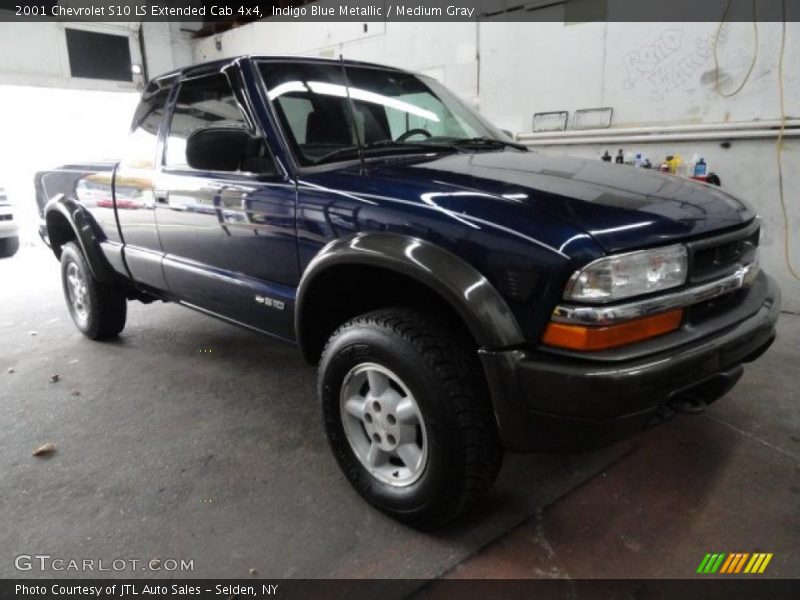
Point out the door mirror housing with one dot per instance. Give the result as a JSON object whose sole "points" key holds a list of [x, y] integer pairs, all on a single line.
{"points": [[228, 149]]}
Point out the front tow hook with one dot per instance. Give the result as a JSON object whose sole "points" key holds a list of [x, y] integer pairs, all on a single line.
{"points": [[691, 406]]}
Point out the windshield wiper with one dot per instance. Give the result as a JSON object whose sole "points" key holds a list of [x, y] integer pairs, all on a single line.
{"points": [[385, 145], [485, 141], [338, 152], [453, 144], [410, 145]]}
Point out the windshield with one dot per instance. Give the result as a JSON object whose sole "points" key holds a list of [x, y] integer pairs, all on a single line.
{"points": [[394, 112]]}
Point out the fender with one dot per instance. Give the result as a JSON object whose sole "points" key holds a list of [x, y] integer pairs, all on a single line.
{"points": [[86, 231], [478, 303]]}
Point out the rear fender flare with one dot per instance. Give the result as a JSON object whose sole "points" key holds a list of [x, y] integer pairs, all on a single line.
{"points": [[87, 234]]}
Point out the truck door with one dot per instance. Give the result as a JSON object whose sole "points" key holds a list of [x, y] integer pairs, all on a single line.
{"points": [[228, 232], [133, 188]]}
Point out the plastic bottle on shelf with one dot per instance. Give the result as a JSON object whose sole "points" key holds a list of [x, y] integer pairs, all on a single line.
{"points": [[700, 168], [691, 164], [638, 161]]}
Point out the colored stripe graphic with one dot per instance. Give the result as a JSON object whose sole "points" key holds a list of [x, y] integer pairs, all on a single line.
{"points": [[754, 563], [764, 564], [727, 564], [711, 562], [737, 563], [703, 563], [734, 560], [717, 564], [734, 563], [741, 562]]}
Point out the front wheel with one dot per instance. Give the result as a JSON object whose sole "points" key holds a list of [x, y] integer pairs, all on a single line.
{"points": [[98, 309], [407, 415]]}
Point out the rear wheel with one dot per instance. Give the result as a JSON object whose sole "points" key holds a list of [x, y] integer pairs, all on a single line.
{"points": [[98, 309], [407, 415]]}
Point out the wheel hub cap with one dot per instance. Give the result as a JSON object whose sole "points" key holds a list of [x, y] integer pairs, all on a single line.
{"points": [[383, 424], [76, 288]]}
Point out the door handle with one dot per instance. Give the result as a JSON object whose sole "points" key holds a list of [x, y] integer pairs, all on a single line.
{"points": [[161, 196]]}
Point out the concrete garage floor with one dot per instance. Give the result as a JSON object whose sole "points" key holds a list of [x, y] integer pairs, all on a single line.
{"points": [[191, 439]]}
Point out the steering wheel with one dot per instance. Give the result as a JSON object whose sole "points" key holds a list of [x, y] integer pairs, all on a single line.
{"points": [[404, 136]]}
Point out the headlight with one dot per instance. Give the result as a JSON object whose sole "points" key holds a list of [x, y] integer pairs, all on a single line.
{"points": [[631, 274]]}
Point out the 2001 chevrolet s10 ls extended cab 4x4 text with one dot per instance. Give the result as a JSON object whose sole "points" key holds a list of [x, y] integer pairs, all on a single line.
{"points": [[461, 295]]}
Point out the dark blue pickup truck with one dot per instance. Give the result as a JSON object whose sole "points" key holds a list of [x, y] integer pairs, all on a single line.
{"points": [[461, 295]]}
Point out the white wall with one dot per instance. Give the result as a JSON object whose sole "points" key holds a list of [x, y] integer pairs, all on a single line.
{"points": [[649, 73], [167, 45], [35, 54]]}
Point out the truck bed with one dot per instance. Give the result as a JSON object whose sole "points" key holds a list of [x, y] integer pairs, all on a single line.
{"points": [[64, 180]]}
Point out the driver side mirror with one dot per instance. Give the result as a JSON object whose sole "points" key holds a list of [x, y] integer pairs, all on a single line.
{"points": [[228, 149]]}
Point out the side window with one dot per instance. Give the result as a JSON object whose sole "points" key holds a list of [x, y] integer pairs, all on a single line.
{"points": [[202, 102], [296, 108], [140, 148]]}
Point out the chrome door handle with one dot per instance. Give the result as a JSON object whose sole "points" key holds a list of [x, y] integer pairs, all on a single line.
{"points": [[161, 196]]}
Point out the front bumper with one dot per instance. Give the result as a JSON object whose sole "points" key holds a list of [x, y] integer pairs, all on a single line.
{"points": [[546, 401]]}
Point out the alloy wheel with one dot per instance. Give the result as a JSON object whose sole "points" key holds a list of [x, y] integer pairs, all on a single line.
{"points": [[383, 424]]}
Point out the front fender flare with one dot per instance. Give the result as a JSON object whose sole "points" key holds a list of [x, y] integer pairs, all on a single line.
{"points": [[472, 296], [86, 231]]}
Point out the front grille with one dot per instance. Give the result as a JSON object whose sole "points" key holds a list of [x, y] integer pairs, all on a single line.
{"points": [[718, 256], [708, 309]]}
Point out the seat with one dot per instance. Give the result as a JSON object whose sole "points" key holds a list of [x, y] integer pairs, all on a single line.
{"points": [[328, 127]]}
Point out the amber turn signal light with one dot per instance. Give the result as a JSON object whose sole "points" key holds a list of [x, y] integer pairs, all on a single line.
{"points": [[592, 338]]}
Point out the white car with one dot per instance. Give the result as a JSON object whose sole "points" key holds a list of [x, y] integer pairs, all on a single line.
{"points": [[9, 234]]}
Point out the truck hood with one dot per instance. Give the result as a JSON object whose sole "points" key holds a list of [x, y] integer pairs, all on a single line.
{"points": [[621, 207]]}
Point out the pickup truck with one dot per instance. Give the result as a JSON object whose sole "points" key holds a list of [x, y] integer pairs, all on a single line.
{"points": [[462, 295]]}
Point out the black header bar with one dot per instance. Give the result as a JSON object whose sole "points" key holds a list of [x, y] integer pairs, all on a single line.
{"points": [[731, 588], [444, 11]]}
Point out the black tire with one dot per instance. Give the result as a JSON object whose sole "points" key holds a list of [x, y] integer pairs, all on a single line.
{"points": [[439, 365], [104, 306], [9, 247]]}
